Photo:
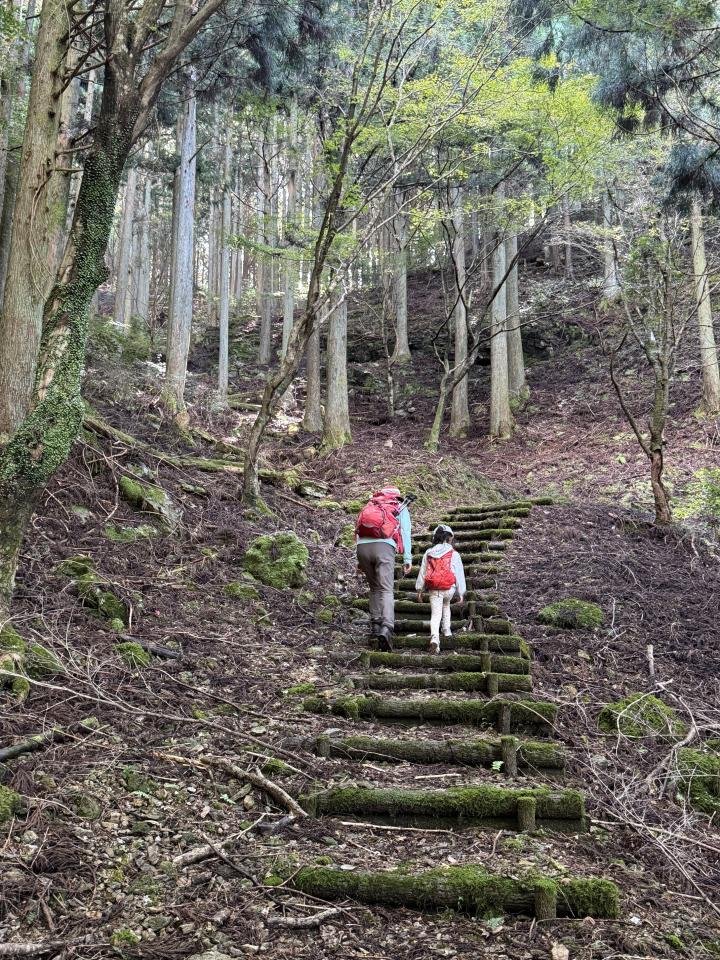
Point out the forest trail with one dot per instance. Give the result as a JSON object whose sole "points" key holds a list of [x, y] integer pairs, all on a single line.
{"points": [[484, 656]]}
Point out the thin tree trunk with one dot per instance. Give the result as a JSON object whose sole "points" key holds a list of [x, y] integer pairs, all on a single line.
{"points": [[398, 238], [516, 360], [122, 313], [501, 422], [224, 312], [460, 410], [6, 221], [264, 261], [567, 228], [29, 274], [313, 419], [611, 273], [708, 349], [141, 270], [336, 432], [180, 319], [290, 277]]}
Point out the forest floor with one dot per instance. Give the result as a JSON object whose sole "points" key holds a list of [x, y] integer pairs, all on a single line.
{"points": [[94, 862]]}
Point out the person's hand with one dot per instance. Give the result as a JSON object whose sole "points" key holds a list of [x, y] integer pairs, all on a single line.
{"points": [[407, 567], [460, 598]]}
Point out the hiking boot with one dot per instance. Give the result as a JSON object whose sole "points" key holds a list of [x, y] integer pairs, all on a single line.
{"points": [[434, 646], [384, 639]]}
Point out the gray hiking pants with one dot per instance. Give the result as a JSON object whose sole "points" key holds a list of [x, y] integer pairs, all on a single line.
{"points": [[377, 562]]}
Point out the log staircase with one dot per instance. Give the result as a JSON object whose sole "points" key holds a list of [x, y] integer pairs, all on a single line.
{"points": [[480, 688]]}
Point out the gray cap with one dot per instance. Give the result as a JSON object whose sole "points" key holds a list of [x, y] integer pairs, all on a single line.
{"points": [[443, 528]]}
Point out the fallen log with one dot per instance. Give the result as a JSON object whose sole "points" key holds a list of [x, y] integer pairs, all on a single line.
{"points": [[41, 740]]}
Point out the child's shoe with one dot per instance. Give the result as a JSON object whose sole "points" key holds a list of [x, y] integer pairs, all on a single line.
{"points": [[434, 646]]}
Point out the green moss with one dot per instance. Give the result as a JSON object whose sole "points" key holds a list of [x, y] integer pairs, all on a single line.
{"points": [[273, 880], [467, 889], [122, 938], [347, 536], [19, 687], [300, 689], [10, 639], [459, 663], [240, 591], [129, 534], [324, 616], [10, 804], [272, 767], [699, 778], [137, 782], [444, 681], [133, 654], [73, 567], [468, 804], [674, 941], [150, 499], [329, 505], [571, 614], [103, 601], [86, 807], [640, 715], [701, 497], [277, 560], [354, 506], [41, 662]]}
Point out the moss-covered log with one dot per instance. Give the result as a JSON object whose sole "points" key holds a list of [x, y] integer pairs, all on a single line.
{"points": [[506, 715], [484, 508], [479, 581], [486, 805], [457, 662], [532, 754], [492, 642], [408, 625], [518, 513], [488, 682], [482, 607], [494, 522], [469, 890], [465, 538]]}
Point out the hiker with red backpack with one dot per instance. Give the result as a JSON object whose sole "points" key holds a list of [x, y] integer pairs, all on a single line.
{"points": [[383, 529], [442, 575]]}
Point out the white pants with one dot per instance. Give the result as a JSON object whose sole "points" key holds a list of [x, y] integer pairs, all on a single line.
{"points": [[440, 610]]}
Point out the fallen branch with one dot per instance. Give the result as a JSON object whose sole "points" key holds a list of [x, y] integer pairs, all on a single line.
{"points": [[254, 777], [197, 854], [32, 949], [156, 649], [41, 740], [301, 923]]}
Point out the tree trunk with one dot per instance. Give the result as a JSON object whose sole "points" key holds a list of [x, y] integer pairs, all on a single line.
{"points": [[708, 349], [313, 419], [290, 277], [141, 271], [264, 261], [122, 312], [460, 410], [398, 237], [433, 441], [180, 319], [516, 360], [663, 513], [611, 273], [29, 276], [567, 229], [501, 422], [336, 432], [224, 312], [6, 222]]}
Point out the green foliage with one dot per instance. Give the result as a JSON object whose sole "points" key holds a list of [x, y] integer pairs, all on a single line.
{"points": [[701, 497], [640, 715], [572, 614], [107, 341], [277, 560], [133, 654], [10, 804], [123, 939]]}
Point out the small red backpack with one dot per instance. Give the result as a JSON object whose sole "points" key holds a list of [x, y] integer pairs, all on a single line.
{"points": [[439, 574], [378, 519]]}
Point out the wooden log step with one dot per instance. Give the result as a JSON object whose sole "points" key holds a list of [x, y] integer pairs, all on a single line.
{"points": [[495, 522], [489, 806], [478, 581], [506, 716], [476, 564], [507, 505], [519, 513], [491, 683], [469, 536], [453, 663], [532, 754], [467, 889], [492, 625], [484, 642], [487, 595], [482, 607]]}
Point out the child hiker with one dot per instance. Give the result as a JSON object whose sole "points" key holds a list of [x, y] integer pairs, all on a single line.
{"points": [[441, 574]]}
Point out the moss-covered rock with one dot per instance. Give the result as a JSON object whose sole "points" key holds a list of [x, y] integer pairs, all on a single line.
{"points": [[572, 614], [10, 639], [133, 654], [93, 592], [150, 499], [240, 591], [300, 690], [640, 715], [699, 777], [347, 536], [74, 567], [41, 662], [10, 804], [272, 767], [129, 534], [277, 560], [85, 807]]}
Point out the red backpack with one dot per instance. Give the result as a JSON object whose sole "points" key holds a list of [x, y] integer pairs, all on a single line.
{"points": [[378, 519], [439, 575]]}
